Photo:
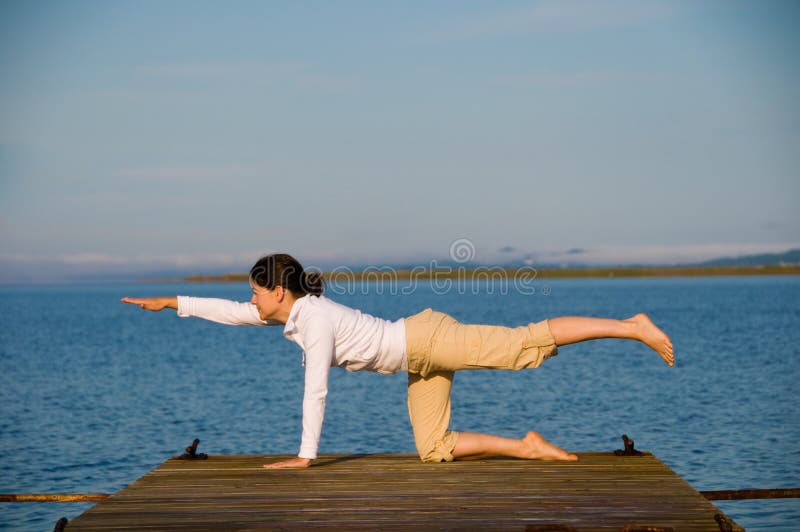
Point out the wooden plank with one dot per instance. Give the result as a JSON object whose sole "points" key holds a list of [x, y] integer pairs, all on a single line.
{"points": [[739, 495], [599, 492], [53, 497]]}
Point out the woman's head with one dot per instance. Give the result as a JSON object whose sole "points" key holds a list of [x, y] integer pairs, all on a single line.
{"points": [[283, 270]]}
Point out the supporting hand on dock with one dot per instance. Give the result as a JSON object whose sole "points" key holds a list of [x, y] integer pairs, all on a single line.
{"points": [[287, 464], [153, 303]]}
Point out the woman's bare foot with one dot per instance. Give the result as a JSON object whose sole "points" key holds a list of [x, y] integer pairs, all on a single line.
{"points": [[655, 338], [538, 448]]}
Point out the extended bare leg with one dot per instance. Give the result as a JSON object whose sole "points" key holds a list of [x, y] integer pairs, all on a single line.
{"points": [[472, 446], [572, 329]]}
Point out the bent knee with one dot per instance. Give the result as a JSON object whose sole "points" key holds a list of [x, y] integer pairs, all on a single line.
{"points": [[440, 450]]}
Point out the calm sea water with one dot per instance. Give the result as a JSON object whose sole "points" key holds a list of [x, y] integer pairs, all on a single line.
{"points": [[96, 393]]}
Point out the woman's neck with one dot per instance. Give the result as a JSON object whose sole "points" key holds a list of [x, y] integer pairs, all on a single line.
{"points": [[285, 308]]}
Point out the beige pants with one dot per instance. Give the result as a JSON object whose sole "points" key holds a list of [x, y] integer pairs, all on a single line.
{"points": [[437, 346]]}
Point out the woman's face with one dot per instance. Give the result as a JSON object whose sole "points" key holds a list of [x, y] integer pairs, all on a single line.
{"points": [[266, 300]]}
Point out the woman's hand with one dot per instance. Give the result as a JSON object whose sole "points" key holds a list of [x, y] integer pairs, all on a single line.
{"points": [[294, 463], [153, 303]]}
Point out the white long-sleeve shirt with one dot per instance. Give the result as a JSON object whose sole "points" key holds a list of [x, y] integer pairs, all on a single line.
{"points": [[330, 334]]}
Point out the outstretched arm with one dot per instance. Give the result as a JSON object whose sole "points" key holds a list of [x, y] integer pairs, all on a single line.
{"points": [[212, 309]]}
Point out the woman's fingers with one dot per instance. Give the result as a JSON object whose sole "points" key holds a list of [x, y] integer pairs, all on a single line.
{"points": [[147, 303], [134, 301]]}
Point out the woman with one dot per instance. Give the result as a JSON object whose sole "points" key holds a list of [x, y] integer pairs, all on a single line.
{"points": [[430, 346]]}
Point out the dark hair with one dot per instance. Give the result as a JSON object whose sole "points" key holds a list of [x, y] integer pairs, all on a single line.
{"points": [[284, 270]]}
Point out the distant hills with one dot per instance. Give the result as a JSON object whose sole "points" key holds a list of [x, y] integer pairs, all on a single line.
{"points": [[786, 263], [764, 259], [786, 258], [791, 257]]}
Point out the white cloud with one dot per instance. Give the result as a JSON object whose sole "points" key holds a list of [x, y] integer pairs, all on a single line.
{"points": [[296, 74], [19, 267], [91, 259], [220, 70], [581, 78], [139, 262], [556, 15], [193, 173]]}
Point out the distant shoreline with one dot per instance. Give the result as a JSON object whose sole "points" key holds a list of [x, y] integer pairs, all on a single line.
{"points": [[496, 273]]}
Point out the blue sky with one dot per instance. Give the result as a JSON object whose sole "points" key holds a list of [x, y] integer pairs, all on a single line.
{"points": [[144, 136]]}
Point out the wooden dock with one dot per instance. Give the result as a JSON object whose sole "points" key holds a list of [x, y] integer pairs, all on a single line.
{"points": [[393, 492]]}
